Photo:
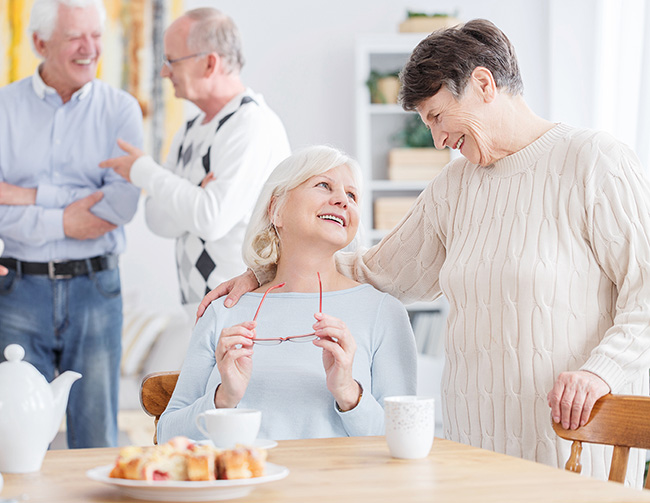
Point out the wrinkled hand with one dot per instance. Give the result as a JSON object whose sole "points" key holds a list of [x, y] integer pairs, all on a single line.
{"points": [[573, 396], [208, 178], [234, 356], [122, 165], [338, 347], [15, 195], [80, 223], [235, 288]]}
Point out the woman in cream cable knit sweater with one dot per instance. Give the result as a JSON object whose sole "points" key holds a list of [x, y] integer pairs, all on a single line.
{"points": [[539, 239]]}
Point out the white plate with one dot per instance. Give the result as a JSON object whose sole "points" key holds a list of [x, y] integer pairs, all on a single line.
{"points": [[259, 443], [168, 490]]}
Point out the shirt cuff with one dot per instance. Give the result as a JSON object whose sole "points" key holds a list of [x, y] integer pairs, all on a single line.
{"points": [[142, 170]]}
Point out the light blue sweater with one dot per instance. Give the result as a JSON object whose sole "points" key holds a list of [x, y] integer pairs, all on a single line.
{"points": [[288, 380]]}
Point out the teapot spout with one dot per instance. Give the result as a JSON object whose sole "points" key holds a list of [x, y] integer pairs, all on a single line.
{"points": [[61, 390]]}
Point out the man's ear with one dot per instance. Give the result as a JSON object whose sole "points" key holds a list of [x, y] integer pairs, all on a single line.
{"points": [[213, 63], [39, 44], [483, 82]]}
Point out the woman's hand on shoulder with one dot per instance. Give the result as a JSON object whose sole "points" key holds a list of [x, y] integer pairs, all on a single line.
{"points": [[235, 363], [234, 288], [573, 396], [339, 348]]}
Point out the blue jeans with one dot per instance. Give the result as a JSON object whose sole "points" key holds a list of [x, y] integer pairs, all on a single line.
{"points": [[71, 324]]}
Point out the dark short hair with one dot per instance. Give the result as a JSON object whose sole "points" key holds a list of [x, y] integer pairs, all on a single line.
{"points": [[448, 57]]}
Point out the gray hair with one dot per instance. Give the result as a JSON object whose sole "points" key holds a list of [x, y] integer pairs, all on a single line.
{"points": [[213, 31], [448, 57], [261, 243], [45, 13]]}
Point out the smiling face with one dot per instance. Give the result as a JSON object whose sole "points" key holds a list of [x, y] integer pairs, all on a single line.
{"points": [[72, 52], [323, 210], [463, 123]]}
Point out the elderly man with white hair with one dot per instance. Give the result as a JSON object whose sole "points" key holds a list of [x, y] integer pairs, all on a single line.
{"points": [[61, 216]]}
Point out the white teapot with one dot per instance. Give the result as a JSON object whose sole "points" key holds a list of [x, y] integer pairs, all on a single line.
{"points": [[31, 411]]}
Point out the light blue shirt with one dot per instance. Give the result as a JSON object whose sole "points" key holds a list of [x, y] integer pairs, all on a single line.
{"points": [[56, 148], [288, 381]]}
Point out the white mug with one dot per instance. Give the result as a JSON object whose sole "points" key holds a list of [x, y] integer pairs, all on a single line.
{"points": [[410, 424], [229, 427]]}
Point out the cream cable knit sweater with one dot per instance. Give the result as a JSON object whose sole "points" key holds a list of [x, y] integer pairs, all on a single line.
{"points": [[545, 260]]}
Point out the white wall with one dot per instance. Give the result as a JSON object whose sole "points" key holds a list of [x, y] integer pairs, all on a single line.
{"points": [[300, 55]]}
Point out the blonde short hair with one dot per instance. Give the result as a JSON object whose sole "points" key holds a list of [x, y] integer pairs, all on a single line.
{"points": [[261, 243]]}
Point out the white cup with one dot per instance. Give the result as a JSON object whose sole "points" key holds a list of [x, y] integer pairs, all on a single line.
{"points": [[410, 423], [229, 427]]}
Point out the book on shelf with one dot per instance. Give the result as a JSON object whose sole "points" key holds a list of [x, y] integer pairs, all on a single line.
{"points": [[416, 163], [390, 210]]}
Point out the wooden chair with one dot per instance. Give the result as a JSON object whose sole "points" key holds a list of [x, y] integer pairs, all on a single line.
{"points": [[155, 391], [622, 421]]}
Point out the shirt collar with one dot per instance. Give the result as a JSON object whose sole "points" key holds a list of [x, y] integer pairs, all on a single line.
{"points": [[42, 89]]}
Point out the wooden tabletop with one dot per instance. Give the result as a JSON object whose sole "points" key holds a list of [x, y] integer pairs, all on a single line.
{"points": [[357, 469]]}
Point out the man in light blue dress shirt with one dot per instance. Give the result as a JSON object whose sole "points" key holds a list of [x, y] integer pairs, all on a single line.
{"points": [[61, 216]]}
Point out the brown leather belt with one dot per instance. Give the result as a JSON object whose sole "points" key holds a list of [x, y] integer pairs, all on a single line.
{"points": [[62, 269]]}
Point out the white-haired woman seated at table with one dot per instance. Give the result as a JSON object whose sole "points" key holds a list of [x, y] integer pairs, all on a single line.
{"points": [[322, 379]]}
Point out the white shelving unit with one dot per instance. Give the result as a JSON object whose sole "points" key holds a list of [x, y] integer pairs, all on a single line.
{"points": [[376, 124], [375, 127]]}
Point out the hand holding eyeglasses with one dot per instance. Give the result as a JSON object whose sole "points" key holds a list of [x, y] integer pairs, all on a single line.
{"points": [[235, 350], [235, 363], [339, 348]]}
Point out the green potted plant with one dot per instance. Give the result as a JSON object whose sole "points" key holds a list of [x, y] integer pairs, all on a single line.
{"points": [[383, 87]]}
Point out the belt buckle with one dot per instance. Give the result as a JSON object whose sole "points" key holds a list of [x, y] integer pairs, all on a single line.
{"points": [[51, 272]]}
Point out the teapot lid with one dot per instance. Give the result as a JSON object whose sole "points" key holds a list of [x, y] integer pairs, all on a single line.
{"points": [[19, 373], [14, 352]]}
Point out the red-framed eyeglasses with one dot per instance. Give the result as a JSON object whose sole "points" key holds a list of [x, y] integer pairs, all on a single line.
{"points": [[293, 338]]}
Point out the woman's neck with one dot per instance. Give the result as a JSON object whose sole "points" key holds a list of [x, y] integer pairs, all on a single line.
{"points": [[299, 273], [520, 125]]}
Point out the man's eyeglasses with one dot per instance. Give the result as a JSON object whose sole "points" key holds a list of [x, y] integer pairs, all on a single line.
{"points": [[293, 338], [169, 62]]}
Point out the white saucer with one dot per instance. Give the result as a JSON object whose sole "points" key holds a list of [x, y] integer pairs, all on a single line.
{"points": [[258, 443], [264, 443]]}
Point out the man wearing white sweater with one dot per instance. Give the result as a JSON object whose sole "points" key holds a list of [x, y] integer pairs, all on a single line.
{"points": [[218, 161]]}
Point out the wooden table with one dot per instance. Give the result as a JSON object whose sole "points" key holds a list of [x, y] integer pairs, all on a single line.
{"points": [[355, 469]]}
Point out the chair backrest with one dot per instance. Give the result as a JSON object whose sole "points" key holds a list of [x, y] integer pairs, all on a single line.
{"points": [[622, 421], [155, 391]]}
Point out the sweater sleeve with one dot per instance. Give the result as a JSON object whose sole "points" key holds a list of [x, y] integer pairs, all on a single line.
{"points": [[212, 212], [393, 371], [194, 392], [157, 210], [619, 232], [406, 263]]}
